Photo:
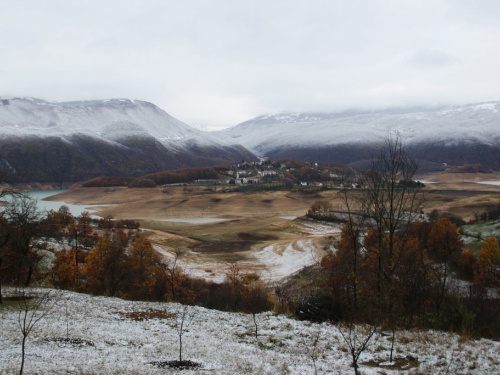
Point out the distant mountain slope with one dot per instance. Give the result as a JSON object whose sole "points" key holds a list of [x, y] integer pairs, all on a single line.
{"points": [[453, 135], [73, 141]]}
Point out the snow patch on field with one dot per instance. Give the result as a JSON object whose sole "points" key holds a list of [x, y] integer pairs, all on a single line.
{"points": [[284, 259]]}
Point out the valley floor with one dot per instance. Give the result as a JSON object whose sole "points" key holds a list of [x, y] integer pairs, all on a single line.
{"points": [[121, 342], [256, 230]]}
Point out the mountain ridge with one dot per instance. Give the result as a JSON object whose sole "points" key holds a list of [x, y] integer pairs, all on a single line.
{"points": [[44, 141], [449, 134]]}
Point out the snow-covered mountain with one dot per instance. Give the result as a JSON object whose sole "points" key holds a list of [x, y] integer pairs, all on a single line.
{"points": [[50, 141], [456, 135], [110, 120]]}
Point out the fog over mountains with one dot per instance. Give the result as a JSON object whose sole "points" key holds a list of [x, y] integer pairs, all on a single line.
{"points": [[453, 135], [74, 141]]}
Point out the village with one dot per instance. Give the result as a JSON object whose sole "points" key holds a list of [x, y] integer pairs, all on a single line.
{"points": [[290, 173]]}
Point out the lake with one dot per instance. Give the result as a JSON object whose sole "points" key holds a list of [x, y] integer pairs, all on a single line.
{"points": [[76, 210], [496, 183], [194, 220]]}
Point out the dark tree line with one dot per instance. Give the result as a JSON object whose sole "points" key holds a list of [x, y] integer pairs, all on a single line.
{"points": [[182, 175]]}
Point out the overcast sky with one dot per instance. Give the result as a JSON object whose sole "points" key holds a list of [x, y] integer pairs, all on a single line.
{"points": [[221, 62]]}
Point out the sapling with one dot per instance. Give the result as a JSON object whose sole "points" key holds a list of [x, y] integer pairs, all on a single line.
{"points": [[32, 309], [181, 322]]}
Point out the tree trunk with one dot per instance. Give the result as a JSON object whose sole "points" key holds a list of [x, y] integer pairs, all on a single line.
{"points": [[1, 299], [23, 346], [255, 323], [392, 343], [354, 361], [180, 348], [28, 278]]}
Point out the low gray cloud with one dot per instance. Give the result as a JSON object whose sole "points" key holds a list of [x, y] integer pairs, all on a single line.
{"points": [[222, 62], [425, 58]]}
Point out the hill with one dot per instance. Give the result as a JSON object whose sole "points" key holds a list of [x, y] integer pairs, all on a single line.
{"points": [[74, 141], [458, 135]]}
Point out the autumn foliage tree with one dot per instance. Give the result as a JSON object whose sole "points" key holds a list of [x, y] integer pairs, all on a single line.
{"points": [[444, 241], [488, 262], [64, 269], [467, 262], [105, 268], [144, 265]]}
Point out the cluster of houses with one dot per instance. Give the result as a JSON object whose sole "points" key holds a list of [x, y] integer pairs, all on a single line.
{"points": [[265, 171], [253, 172]]}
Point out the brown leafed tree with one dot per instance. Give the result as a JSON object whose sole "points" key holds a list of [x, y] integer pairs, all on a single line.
{"points": [[444, 241], [467, 262], [386, 209], [64, 269], [143, 265], [488, 260], [105, 267]]}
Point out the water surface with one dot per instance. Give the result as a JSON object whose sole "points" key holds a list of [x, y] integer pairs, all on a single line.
{"points": [[75, 209], [194, 220], [496, 183]]}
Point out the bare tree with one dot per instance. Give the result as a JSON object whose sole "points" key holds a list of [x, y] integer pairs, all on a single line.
{"points": [[386, 207], [21, 230], [255, 300], [5, 230], [181, 322], [173, 273], [311, 347], [356, 206], [356, 337], [234, 278], [32, 309], [4, 250], [393, 203]]}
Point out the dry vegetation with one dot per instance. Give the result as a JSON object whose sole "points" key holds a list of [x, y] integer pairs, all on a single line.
{"points": [[254, 219]]}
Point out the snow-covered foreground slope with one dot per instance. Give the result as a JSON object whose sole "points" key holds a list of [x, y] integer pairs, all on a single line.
{"points": [[221, 342]]}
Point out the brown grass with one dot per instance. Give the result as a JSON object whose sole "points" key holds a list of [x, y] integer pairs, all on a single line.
{"points": [[147, 315]]}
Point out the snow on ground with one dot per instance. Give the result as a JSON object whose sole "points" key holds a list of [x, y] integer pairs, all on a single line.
{"points": [[222, 342], [314, 228], [273, 260], [284, 259]]}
